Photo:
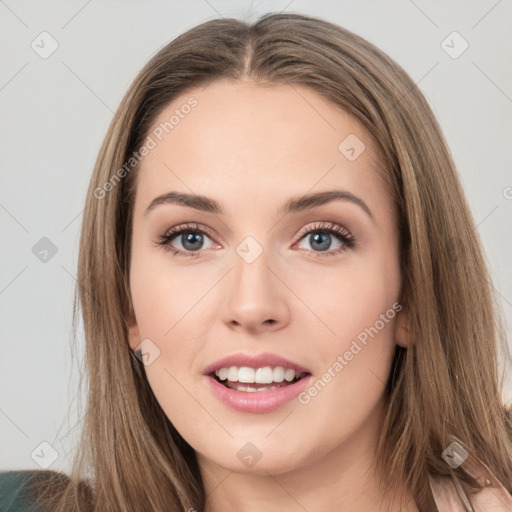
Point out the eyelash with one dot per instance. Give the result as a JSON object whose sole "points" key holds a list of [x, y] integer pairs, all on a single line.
{"points": [[322, 227]]}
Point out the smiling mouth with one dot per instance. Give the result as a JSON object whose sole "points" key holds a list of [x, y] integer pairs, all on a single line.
{"points": [[250, 380]]}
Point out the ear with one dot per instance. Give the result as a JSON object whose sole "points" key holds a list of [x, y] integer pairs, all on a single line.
{"points": [[134, 338], [402, 329]]}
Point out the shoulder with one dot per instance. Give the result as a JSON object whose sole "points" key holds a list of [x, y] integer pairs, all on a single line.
{"points": [[20, 490]]}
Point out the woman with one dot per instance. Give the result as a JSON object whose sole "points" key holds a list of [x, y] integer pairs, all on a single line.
{"points": [[235, 364]]}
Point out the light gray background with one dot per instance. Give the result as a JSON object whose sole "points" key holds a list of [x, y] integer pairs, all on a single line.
{"points": [[55, 112]]}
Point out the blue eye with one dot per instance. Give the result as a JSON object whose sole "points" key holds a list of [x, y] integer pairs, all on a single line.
{"points": [[190, 236], [320, 236]]}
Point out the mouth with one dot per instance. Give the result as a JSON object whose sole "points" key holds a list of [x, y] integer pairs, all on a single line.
{"points": [[251, 380], [256, 383]]}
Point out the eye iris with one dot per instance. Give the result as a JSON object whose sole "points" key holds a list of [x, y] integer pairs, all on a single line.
{"points": [[191, 238], [327, 240]]}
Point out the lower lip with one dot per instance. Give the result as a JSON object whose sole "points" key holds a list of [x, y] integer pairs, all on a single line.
{"points": [[257, 401]]}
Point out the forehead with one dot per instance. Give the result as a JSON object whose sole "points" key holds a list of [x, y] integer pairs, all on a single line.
{"points": [[245, 141]]}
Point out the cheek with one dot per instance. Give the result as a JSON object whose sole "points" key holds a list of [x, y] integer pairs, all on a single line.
{"points": [[358, 313], [165, 297], [346, 392], [350, 300], [167, 304]]}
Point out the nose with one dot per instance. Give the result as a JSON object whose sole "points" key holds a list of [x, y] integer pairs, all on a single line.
{"points": [[256, 296]]}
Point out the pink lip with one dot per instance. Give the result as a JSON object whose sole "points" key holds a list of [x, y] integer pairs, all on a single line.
{"points": [[257, 401], [254, 361]]}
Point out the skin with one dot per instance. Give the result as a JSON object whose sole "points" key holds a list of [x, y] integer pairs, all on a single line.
{"points": [[251, 148]]}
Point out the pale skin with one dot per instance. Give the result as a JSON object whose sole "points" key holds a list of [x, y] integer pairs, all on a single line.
{"points": [[252, 148]]}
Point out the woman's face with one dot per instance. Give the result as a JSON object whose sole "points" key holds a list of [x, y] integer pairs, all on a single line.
{"points": [[266, 277]]}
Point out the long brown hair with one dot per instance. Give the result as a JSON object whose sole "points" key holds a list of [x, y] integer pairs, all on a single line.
{"points": [[446, 383]]}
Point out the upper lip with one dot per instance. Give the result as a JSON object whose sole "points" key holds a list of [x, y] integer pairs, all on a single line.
{"points": [[254, 361]]}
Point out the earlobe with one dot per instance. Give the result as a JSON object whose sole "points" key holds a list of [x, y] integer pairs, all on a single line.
{"points": [[402, 329], [133, 332]]}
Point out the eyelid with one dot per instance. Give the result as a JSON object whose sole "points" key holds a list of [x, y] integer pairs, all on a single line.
{"points": [[190, 226], [324, 225]]}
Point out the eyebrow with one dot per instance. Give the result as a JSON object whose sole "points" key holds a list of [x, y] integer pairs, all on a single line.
{"points": [[295, 204]]}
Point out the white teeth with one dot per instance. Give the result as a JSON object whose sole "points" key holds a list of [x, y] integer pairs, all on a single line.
{"points": [[278, 374], [245, 374], [264, 375], [289, 375], [233, 374]]}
